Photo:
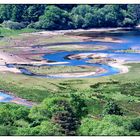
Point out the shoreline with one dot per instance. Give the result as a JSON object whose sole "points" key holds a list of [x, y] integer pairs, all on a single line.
{"points": [[14, 99], [23, 59], [62, 32]]}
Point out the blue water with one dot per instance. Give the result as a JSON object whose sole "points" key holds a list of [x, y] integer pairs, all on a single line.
{"points": [[59, 56], [131, 39], [6, 97]]}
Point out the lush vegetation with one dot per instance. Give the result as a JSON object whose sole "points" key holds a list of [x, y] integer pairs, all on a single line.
{"points": [[106, 108], [64, 116], [55, 17], [99, 106]]}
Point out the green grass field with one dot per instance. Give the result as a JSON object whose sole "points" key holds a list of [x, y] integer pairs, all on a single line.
{"points": [[123, 88], [59, 69], [6, 32]]}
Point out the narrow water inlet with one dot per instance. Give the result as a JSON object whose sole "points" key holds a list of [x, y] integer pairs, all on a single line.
{"points": [[5, 98]]}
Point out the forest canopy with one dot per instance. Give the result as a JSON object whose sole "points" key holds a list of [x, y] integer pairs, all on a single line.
{"points": [[68, 16]]}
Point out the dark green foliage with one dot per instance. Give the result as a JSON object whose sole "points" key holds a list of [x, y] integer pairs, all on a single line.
{"points": [[17, 12], [14, 25], [54, 18], [59, 111], [135, 124], [11, 112], [112, 108], [46, 128], [79, 16], [108, 126], [5, 12], [67, 7], [11, 117], [79, 104], [61, 16], [33, 12]]}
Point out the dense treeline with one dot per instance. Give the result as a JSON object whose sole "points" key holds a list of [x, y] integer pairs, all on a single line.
{"points": [[65, 116], [55, 17]]}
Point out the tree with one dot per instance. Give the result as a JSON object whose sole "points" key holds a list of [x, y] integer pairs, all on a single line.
{"points": [[81, 10], [130, 16], [17, 12], [10, 114], [54, 18], [67, 7], [136, 10], [112, 108], [79, 16], [33, 12], [59, 111], [7, 130], [89, 21], [81, 109], [46, 128], [78, 21], [5, 12], [135, 124], [103, 127]]}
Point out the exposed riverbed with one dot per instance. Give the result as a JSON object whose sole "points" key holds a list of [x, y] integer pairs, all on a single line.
{"points": [[130, 39]]}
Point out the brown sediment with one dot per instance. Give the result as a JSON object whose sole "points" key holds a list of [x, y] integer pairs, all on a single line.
{"points": [[29, 55], [101, 39], [17, 100]]}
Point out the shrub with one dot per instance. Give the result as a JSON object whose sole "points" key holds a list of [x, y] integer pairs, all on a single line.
{"points": [[104, 127], [135, 124], [14, 25], [112, 108], [58, 110]]}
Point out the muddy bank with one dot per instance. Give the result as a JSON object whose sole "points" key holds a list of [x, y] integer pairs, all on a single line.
{"points": [[6, 96]]}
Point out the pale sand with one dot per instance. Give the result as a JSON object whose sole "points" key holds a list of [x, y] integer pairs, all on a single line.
{"points": [[1, 98], [119, 65], [62, 32], [6, 69], [85, 55], [7, 58], [76, 74], [82, 38], [52, 63], [108, 39]]}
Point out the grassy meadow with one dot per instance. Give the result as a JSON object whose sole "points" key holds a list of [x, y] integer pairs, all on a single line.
{"points": [[122, 88]]}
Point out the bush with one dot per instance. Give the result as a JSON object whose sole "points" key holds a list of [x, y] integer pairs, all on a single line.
{"points": [[135, 124], [14, 25], [58, 110], [112, 108], [104, 127]]}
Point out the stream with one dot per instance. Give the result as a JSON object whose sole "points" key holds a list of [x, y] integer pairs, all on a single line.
{"points": [[131, 40]]}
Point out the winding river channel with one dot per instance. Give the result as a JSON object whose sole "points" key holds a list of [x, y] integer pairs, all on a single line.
{"points": [[130, 40]]}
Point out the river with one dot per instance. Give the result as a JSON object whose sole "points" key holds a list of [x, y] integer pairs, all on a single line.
{"points": [[131, 40]]}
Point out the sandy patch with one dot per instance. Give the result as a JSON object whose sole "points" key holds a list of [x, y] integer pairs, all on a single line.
{"points": [[62, 32], [6, 69], [86, 55], [108, 39], [119, 65], [76, 74], [1, 98]]}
